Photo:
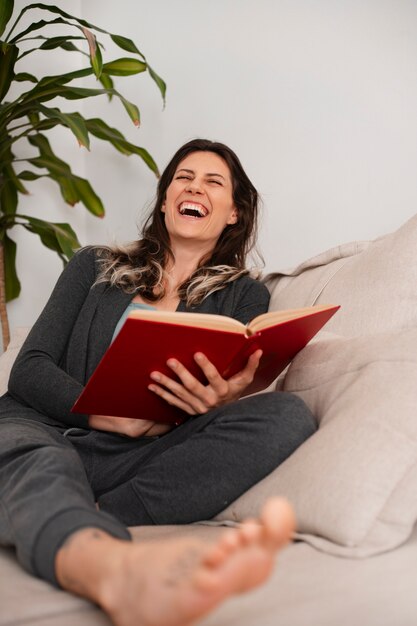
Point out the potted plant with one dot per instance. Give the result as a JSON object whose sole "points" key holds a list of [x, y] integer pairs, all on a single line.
{"points": [[29, 117]]}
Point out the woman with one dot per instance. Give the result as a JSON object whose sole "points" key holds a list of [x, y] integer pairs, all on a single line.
{"points": [[70, 484]]}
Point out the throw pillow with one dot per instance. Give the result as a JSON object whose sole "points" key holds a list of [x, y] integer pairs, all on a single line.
{"points": [[354, 482], [372, 281]]}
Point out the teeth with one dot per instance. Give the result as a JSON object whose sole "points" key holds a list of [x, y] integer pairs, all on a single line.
{"points": [[195, 210]]}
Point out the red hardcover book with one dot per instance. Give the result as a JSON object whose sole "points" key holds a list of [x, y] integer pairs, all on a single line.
{"points": [[119, 385]]}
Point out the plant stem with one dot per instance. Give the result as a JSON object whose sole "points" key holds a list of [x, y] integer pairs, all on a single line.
{"points": [[20, 126]]}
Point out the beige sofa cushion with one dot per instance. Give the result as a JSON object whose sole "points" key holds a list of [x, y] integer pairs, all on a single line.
{"points": [[354, 482], [7, 358], [375, 282]]}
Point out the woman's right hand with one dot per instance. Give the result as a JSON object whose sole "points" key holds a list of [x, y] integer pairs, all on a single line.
{"points": [[128, 426]]}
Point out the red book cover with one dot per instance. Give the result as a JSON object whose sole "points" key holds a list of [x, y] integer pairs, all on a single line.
{"points": [[119, 385]]}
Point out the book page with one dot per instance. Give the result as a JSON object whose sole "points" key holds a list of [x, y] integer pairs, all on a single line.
{"points": [[277, 317], [201, 320]]}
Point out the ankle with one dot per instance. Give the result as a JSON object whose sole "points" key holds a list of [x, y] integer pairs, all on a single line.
{"points": [[85, 561]]}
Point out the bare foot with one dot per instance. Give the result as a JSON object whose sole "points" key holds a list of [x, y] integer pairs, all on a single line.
{"points": [[172, 582]]}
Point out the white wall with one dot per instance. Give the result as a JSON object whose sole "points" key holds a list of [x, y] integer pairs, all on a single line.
{"points": [[318, 98]]}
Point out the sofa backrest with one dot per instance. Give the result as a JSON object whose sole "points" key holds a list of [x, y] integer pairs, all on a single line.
{"points": [[373, 281]]}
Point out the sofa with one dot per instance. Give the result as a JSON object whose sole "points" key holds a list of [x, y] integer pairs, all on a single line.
{"points": [[353, 484]]}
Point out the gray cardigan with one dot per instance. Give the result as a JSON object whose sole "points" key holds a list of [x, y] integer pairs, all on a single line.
{"points": [[74, 330]]}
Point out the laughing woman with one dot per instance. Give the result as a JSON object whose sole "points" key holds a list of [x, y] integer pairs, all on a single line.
{"points": [[70, 484]]}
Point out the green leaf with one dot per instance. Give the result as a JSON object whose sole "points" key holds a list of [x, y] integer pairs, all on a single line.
{"points": [[38, 26], [56, 10], [12, 281], [34, 117], [126, 44], [8, 195], [100, 129], [6, 10], [122, 42], [97, 62], [44, 147], [95, 53], [67, 187], [67, 239], [59, 171], [132, 109], [51, 164], [59, 42], [88, 196], [8, 56], [107, 83], [62, 79], [59, 237], [124, 67], [70, 47], [47, 124], [73, 188], [158, 80], [65, 45], [74, 121], [28, 175], [46, 236], [10, 177], [43, 94], [61, 175], [46, 93], [24, 76], [8, 198]]}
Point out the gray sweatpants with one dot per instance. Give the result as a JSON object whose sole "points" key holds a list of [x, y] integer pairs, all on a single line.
{"points": [[50, 478]]}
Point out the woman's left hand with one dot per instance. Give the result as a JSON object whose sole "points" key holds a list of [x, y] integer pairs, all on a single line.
{"points": [[196, 398]]}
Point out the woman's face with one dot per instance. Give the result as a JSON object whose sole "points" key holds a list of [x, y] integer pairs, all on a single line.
{"points": [[199, 202]]}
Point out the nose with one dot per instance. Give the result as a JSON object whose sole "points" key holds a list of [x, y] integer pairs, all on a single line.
{"points": [[194, 186]]}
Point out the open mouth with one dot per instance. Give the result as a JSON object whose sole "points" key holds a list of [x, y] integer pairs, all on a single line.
{"points": [[192, 210]]}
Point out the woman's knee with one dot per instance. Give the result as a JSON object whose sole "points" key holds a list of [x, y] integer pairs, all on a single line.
{"points": [[24, 443], [287, 412], [293, 408], [282, 421]]}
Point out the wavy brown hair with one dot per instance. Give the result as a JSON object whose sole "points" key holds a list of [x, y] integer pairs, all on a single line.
{"points": [[140, 266]]}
